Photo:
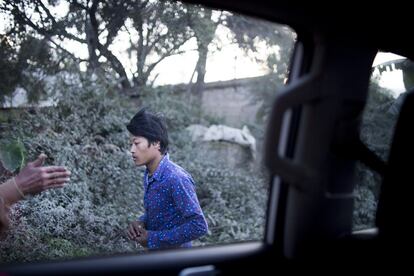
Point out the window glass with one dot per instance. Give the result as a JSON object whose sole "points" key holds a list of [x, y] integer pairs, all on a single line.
{"points": [[70, 92], [392, 76]]}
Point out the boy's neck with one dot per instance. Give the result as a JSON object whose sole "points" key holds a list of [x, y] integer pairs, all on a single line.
{"points": [[153, 165]]}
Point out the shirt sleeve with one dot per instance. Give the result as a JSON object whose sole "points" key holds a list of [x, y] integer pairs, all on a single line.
{"points": [[143, 218], [187, 206]]}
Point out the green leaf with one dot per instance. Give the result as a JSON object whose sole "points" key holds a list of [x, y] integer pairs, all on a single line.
{"points": [[12, 155]]}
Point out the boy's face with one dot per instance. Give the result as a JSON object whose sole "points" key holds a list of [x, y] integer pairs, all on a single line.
{"points": [[142, 152]]}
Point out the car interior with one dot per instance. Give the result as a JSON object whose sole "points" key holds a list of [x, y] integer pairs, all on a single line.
{"points": [[312, 147]]}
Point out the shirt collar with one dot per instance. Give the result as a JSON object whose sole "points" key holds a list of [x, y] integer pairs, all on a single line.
{"points": [[160, 169]]}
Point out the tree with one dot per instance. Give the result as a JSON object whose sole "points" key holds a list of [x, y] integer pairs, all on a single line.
{"points": [[93, 18], [162, 28], [257, 37], [158, 29], [204, 28], [9, 74], [82, 17], [24, 61], [250, 33]]}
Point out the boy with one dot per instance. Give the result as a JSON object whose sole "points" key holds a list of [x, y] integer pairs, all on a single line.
{"points": [[173, 216]]}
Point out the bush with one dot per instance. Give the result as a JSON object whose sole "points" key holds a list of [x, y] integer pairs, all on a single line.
{"points": [[233, 199], [376, 132], [86, 133]]}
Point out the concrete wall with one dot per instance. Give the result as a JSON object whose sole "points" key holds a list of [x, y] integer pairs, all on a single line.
{"points": [[234, 104], [233, 101]]}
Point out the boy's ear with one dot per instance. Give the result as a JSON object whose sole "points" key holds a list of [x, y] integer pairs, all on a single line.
{"points": [[157, 145]]}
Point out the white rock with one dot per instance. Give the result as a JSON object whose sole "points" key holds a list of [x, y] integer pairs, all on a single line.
{"points": [[242, 136], [196, 131]]}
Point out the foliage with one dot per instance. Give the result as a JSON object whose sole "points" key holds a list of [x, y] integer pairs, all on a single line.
{"points": [[157, 29], [8, 68], [376, 130], [250, 35], [162, 28], [204, 28], [86, 130], [233, 199], [86, 133], [24, 61], [154, 30], [12, 155]]}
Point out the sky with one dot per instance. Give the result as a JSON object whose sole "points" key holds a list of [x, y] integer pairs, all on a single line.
{"points": [[228, 63], [391, 80]]}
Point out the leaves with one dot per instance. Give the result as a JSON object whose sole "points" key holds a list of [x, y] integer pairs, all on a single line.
{"points": [[89, 215], [12, 155], [376, 132]]}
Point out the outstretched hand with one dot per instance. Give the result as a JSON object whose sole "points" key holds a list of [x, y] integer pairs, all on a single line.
{"points": [[34, 178]]}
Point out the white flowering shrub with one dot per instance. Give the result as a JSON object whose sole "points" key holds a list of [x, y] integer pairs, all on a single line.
{"points": [[88, 217], [86, 133], [233, 199]]}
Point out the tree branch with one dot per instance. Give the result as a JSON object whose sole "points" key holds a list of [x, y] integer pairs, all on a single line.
{"points": [[66, 51], [79, 5], [49, 15], [167, 54], [27, 21]]}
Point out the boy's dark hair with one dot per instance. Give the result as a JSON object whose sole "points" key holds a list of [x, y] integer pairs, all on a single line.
{"points": [[150, 126]]}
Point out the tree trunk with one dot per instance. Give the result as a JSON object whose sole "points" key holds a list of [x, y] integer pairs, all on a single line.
{"points": [[92, 47], [117, 66], [113, 60], [201, 68], [91, 31], [141, 78]]}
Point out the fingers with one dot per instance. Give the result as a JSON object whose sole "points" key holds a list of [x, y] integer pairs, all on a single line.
{"points": [[55, 181], [59, 174], [54, 177], [136, 229], [39, 161], [52, 169], [137, 232], [131, 232]]}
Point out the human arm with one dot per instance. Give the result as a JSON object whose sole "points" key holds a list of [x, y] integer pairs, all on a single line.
{"points": [[33, 179], [187, 206]]}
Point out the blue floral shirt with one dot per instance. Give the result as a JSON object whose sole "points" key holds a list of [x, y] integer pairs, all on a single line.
{"points": [[173, 216]]}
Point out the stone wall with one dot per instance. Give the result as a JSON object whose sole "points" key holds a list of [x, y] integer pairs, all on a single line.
{"points": [[233, 101]]}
